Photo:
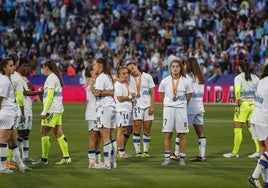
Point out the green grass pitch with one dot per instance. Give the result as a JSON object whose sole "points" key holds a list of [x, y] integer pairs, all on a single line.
{"points": [[217, 172]]}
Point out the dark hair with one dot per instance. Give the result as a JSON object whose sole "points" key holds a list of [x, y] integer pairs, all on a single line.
{"points": [[23, 61], [182, 70], [88, 71], [14, 57], [106, 65], [51, 65], [264, 72], [3, 64], [119, 69], [193, 69], [246, 69]]}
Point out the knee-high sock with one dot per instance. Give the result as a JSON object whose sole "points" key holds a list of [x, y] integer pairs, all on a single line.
{"points": [[20, 143], [98, 156], [237, 140], [3, 155], [63, 146], [255, 141], [91, 153], [146, 143], [25, 149], [177, 146], [113, 151], [261, 165], [107, 148], [167, 155], [137, 140], [16, 156], [9, 154], [202, 142], [45, 143]]}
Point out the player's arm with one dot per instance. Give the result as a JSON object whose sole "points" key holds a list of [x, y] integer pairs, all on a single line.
{"points": [[20, 97], [1, 99], [48, 102], [151, 109], [188, 97], [162, 96], [238, 94], [33, 93]]}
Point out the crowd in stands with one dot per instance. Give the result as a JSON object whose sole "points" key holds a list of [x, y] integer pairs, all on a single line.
{"points": [[219, 33]]}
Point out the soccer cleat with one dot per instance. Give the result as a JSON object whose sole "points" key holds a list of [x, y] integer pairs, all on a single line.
{"points": [[230, 155], [174, 157], [64, 161], [254, 155], [102, 166], [198, 159], [125, 156], [40, 162], [254, 182], [28, 159], [92, 165], [138, 155], [166, 163], [10, 166], [145, 155], [24, 168], [6, 171]]}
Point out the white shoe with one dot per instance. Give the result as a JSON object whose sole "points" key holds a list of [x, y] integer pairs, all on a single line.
{"points": [[254, 155], [166, 163], [230, 155], [102, 166]]}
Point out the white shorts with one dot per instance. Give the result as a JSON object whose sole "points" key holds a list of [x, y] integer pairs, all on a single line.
{"points": [[27, 125], [259, 132], [92, 125], [106, 117], [124, 119], [142, 114], [175, 118], [7, 122], [196, 119]]}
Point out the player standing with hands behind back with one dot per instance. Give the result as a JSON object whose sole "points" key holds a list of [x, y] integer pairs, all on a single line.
{"points": [[51, 116]]}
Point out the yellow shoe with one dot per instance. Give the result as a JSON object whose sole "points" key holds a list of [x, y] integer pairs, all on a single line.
{"points": [[64, 161], [145, 155]]}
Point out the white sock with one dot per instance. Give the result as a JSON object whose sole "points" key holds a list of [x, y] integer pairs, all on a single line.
{"points": [[91, 156], [137, 140], [261, 165], [146, 143], [202, 146], [107, 149], [177, 146], [25, 153]]}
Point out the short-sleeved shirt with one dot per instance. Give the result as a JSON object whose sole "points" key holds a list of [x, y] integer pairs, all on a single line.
{"points": [[53, 82], [260, 112], [184, 87], [104, 82], [147, 83], [195, 105], [9, 105], [248, 88], [121, 89], [91, 113]]}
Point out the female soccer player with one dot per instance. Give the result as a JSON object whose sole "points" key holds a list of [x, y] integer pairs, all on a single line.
{"points": [[105, 105], [124, 105], [175, 92], [51, 116], [245, 88], [8, 115], [259, 122], [195, 108], [94, 154], [143, 111]]}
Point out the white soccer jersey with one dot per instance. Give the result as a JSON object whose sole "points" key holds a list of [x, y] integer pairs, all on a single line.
{"points": [[121, 90], [27, 101], [248, 88], [17, 81], [260, 112], [104, 82], [147, 82], [195, 105], [91, 113], [52, 82], [166, 87], [9, 105]]}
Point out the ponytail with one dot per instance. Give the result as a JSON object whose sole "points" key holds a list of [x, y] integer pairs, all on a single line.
{"points": [[51, 64]]}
